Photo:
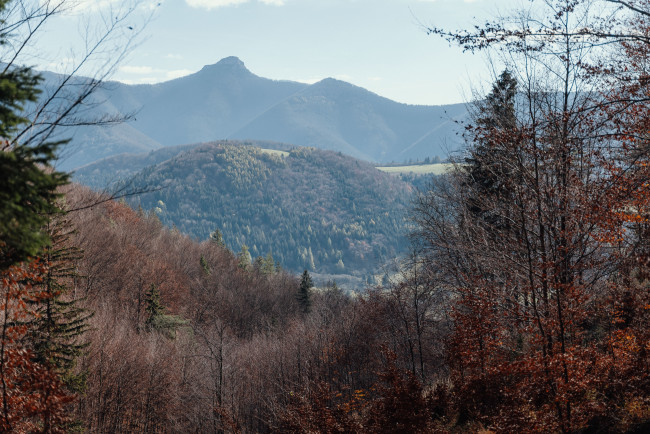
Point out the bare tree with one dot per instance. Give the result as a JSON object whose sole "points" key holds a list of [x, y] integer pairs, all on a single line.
{"points": [[106, 36]]}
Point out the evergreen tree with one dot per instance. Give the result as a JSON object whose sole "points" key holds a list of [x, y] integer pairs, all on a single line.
{"points": [[157, 319], [57, 324], [154, 308], [217, 238], [268, 265], [304, 291], [28, 192], [27, 184], [60, 322], [244, 257], [204, 265], [491, 164], [265, 264]]}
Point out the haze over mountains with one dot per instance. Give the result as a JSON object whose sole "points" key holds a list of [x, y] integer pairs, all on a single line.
{"points": [[227, 101]]}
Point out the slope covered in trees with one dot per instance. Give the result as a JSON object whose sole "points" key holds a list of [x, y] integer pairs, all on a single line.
{"points": [[311, 209], [185, 338]]}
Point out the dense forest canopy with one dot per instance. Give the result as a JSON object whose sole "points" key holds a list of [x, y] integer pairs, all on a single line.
{"points": [[311, 209]]}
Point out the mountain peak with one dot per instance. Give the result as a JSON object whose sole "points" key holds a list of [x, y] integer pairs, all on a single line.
{"points": [[231, 63]]}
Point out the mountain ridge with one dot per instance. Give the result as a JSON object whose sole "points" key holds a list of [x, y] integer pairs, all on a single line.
{"points": [[225, 100]]}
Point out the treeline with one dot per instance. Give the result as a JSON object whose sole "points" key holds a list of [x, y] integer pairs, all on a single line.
{"points": [[428, 160]]}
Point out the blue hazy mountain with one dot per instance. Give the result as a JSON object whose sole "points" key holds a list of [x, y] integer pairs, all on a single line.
{"points": [[227, 101], [336, 115]]}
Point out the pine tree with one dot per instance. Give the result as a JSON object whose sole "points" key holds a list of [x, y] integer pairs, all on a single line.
{"points": [[58, 325], [244, 257], [268, 265], [31, 392], [61, 322], [204, 265], [304, 291], [157, 319]]}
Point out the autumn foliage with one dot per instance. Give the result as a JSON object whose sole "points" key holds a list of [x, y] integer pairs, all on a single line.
{"points": [[34, 397], [523, 307]]}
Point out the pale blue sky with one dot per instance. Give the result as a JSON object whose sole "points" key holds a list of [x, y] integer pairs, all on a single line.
{"points": [[376, 44]]}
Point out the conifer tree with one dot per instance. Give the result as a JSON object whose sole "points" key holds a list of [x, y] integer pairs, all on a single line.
{"points": [[244, 257], [61, 322], [58, 325], [27, 186], [217, 238], [154, 308], [204, 265], [304, 291], [491, 164], [268, 264], [157, 319]]}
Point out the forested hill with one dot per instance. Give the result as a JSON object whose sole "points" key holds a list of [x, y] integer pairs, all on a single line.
{"points": [[309, 208]]}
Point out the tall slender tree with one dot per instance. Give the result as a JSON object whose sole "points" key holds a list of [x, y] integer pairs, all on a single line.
{"points": [[58, 325], [304, 291], [492, 165]]}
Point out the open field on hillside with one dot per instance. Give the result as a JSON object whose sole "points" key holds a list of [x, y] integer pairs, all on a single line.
{"points": [[420, 169], [275, 152]]}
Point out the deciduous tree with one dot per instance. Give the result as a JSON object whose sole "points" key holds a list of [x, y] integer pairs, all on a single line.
{"points": [[531, 342]]}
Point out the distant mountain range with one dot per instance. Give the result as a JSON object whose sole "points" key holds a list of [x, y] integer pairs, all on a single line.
{"points": [[311, 209], [227, 101]]}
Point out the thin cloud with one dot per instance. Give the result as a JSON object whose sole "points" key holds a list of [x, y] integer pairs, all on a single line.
{"points": [[213, 4], [146, 74], [139, 70], [140, 80], [307, 80]]}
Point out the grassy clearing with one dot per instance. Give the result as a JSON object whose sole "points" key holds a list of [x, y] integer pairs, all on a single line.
{"points": [[419, 169], [275, 152]]}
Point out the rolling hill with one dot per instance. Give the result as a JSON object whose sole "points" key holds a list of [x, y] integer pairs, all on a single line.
{"points": [[311, 209]]}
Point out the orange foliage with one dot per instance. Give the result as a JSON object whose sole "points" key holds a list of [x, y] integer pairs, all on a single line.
{"points": [[33, 396]]}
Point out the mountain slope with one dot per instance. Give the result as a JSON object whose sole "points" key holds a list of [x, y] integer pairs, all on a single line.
{"points": [[312, 209], [336, 115], [209, 104], [226, 100]]}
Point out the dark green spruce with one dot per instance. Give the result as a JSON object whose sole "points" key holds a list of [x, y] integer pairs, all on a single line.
{"points": [[304, 292]]}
